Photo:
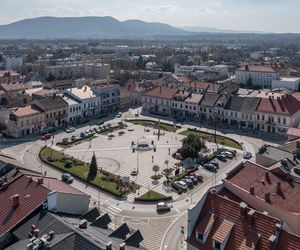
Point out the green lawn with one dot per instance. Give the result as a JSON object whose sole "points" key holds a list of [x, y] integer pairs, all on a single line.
{"points": [[79, 169], [221, 140], [163, 126], [153, 196]]}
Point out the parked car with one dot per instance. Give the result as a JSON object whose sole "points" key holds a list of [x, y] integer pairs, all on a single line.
{"points": [[247, 155], [83, 134], [228, 155], [210, 167], [194, 179], [198, 176], [232, 151], [100, 122], [67, 178], [119, 115], [97, 130], [180, 184], [46, 137], [163, 206], [222, 157], [214, 163], [70, 129], [188, 182]]}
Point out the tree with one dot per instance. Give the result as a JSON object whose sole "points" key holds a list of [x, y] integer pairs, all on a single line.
{"points": [[93, 168], [155, 169], [191, 146]]}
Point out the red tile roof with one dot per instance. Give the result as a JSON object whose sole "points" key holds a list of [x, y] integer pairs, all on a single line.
{"points": [[31, 196], [12, 86], [288, 241], [206, 223], [287, 105], [241, 234], [27, 111], [251, 175], [223, 231], [294, 132], [258, 68], [195, 84], [54, 184], [162, 92]]}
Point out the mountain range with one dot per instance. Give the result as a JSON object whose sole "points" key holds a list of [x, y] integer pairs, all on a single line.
{"points": [[85, 28]]}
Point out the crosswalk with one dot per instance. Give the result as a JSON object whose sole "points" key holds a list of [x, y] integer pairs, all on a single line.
{"points": [[113, 210]]}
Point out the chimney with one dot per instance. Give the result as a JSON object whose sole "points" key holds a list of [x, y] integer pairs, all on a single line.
{"points": [[83, 224], [108, 245], [268, 197], [15, 200], [252, 190], [263, 180], [278, 187], [267, 177], [272, 242], [40, 180], [51, 235], [243, 209], [122, 246], [250, 216], [30, 179]]}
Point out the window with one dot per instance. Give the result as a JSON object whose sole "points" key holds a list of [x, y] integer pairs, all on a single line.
{"points": [[284, 121], [200, 237], [217, 245]]}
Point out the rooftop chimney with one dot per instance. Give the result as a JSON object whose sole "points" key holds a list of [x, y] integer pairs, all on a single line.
{"points": [[51, 235], [243, 208], [30, 179], [272, 242], [251, 216], [268, 197], [83, 224], [109, 245], [267, 177], [40, 180], [252, 190], [123, 246], [15, 200], [278, 187]]}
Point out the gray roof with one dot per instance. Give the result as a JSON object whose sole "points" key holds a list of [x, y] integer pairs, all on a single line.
{"points": [[91, 215], [52, 103], [276, 154], [242, 104], [209, 99]]}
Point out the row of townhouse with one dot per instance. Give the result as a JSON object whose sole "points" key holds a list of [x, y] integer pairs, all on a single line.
{"points": [[273, 114], [69, 106]]}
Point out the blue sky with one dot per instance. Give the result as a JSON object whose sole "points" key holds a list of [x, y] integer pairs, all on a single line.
{"points": [[255, 15]]}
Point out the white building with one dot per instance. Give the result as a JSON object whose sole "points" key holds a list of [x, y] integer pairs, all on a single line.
{"points": [[291, 83], [74, 108], [89, 102], [259, 75], [185, 70], [14, 63]]}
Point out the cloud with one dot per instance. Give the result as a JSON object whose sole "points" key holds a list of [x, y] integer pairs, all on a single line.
{"points": [[162, 8]]}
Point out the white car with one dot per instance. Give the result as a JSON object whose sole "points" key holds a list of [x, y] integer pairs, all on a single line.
{"points": [[247, 155], [70, 129], [163, 206], [119, 115], [180, 184]]}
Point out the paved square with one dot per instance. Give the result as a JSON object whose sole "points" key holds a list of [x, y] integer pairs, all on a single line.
{"points": [[116, 155]]}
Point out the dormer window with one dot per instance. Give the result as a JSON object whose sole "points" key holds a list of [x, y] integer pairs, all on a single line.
{"points": [[216, 245], [200, 237]]}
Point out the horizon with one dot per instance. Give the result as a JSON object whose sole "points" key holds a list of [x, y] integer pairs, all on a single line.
{"points": [[215, 14]]}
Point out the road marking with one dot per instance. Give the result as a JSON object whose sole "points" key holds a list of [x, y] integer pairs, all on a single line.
{"points": [[113, 210], [177, 210]]}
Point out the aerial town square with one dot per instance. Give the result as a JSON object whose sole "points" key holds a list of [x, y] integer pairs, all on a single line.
{"points": [[158, 125]]}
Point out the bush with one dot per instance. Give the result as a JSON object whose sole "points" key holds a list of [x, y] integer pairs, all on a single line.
{"points": [[68, 164]]}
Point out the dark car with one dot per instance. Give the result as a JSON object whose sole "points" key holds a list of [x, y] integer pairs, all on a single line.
{"points": [[46, 137], [222, 157], [67, 178], [210, 167], [215, 163], [232, 151]]}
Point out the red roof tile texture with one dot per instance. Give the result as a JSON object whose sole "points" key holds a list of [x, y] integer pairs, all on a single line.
{"points": [[288, 241], [287, 105], [258, 68], [241, 233], [163, 92], [253, 175], [31, 196]]}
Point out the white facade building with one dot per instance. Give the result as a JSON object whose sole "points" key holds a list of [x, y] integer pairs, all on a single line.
{"points": [[291, 83], [259, 75], [185, 70]]}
